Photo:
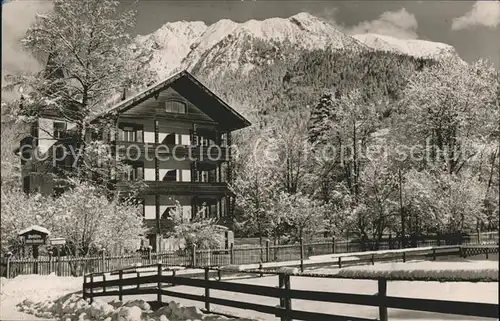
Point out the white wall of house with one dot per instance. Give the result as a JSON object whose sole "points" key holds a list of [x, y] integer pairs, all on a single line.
{"points": [[149, 170], [149, 207]]}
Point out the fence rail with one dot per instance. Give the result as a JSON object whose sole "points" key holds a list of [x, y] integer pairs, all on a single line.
{"points": [[77, 266], [159, 282]]}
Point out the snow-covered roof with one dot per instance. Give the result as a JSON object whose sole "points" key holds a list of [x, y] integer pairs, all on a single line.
{"points": [[34, 228]]}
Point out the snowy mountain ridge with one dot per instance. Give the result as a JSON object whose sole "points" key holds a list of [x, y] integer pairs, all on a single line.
{"points": [[226, 44], [410, 47]]}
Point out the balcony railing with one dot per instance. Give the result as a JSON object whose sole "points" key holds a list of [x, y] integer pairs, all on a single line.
{"points": [[176, 152], [179, 188]]}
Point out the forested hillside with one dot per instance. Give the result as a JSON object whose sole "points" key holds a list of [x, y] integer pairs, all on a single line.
{"points": [[365, 100]]}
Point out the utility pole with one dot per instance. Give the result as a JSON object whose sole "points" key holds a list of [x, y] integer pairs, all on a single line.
{"points": [[403, 235]]}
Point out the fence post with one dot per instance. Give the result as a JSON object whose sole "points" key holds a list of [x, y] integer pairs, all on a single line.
{"points": [[138, 276], [404, 257], [333, 244], [84, 291], [382, 292], [50, 262], [120, 287], [91, 287], [301, 254], [207, 291], [268, 250], [231, 254], [159, 283], [288, 301], [193, 255], [8, 264], [486, 252], [373, 259], [150, 259], [104, 282], [462, 252], [434, 254], [340, 262], [58, 262], [285, 302], [103, 262], [260, 268]]}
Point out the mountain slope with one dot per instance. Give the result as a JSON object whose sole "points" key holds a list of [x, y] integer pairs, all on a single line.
{"points": [[170, 44], [186, 45], [410, 47], [230, 46]]}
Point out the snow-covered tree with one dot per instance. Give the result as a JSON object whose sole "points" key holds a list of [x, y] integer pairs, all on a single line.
{"points": [[255, 186], [341, 126], [90, 58], [202, 232], [293, 150], [449, 106], [303, 217], [83, 215]]}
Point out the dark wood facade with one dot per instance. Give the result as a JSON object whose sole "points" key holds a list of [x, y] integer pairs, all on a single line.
{"points": [[176, 136]]}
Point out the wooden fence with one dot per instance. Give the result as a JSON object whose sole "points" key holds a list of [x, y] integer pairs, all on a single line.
{"points": [[77, 266], [163, 278]]}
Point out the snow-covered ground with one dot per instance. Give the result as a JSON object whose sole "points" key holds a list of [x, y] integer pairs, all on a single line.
{"points": [[34, 288], [39, 293], [36, 297]]}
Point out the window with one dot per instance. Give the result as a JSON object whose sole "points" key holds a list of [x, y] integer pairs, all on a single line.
{"points": [[129, 133], [223, 140], [134, 172], [59, 130], [170, 176], [174, 106], [34, 130], [212, 176], [204, 177]]}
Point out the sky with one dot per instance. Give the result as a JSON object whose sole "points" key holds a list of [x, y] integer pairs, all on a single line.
{"points": [[473, 28]]}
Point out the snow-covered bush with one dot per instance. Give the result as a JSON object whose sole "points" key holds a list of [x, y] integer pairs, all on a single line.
{"points": [[72, 307]]}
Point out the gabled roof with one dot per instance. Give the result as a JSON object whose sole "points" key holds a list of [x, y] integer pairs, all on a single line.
{"points": [[194, 91], [37, 228]]}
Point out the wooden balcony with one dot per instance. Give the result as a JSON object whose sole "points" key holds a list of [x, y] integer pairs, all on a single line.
{"points": [[179, 188], [177, 152]]}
